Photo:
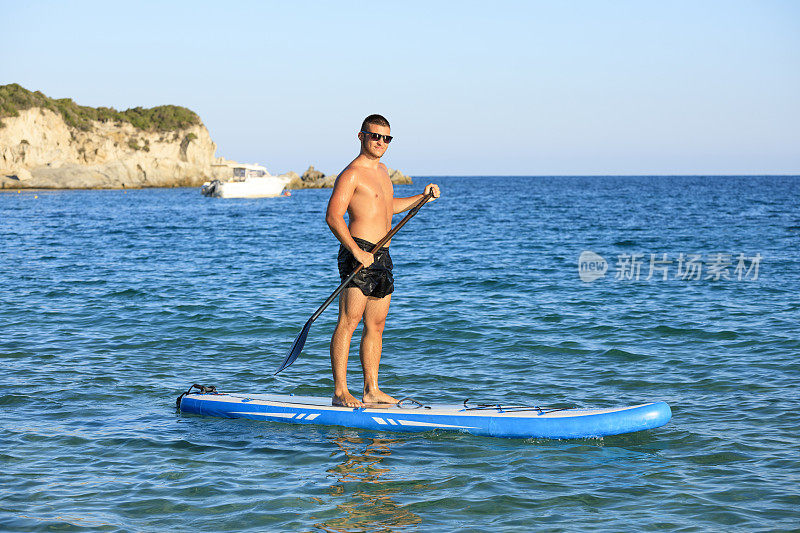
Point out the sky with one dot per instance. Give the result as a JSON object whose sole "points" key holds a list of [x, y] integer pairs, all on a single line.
{"points": [[470, 88]]}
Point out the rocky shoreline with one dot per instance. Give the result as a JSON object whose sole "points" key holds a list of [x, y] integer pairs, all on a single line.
{"points": [[314, 179], [56, 144]]}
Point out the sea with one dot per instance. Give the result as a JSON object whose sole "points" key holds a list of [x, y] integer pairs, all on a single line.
{"points": [[597, 291]]}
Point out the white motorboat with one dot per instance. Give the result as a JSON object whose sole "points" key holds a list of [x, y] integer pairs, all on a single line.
{"points": [[248, 181]]}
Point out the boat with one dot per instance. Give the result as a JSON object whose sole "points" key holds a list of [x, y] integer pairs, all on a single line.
{"points": [[408, 415], [247, 181]]}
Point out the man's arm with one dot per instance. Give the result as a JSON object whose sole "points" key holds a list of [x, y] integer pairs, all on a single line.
{"points": [[337, 206], [404, 204]]}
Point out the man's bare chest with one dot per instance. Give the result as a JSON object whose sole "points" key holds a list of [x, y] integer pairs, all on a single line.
{"points": [[376, 189]]}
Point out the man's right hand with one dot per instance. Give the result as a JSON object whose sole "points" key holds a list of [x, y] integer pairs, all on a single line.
{"points": [[364, 257]]}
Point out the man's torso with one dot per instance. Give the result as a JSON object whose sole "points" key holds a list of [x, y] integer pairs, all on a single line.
{"points": [[370, 208]]}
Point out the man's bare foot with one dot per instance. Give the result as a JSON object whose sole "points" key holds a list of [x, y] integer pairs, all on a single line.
{"points": [[378, 396], [346, 400]]}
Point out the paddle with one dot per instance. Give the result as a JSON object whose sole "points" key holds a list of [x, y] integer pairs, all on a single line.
{"points": [[300, 341]]}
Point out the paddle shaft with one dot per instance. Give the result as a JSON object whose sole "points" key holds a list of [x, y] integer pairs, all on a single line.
{"points": [[414, 210]]}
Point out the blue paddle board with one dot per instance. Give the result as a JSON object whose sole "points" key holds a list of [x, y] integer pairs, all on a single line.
{"points": [[410, 416]]}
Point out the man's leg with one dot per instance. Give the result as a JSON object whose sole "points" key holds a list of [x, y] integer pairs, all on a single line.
{"points": [[351, 308], [371, 345]]}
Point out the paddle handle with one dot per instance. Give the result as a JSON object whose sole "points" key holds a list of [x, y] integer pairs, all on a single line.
{"points": [[414, 210]]}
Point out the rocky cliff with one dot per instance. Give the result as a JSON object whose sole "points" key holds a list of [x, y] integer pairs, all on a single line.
{"points": [[38, 149]]}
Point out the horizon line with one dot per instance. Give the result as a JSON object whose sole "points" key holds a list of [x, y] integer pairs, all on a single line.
{"points": [[599, 175]]}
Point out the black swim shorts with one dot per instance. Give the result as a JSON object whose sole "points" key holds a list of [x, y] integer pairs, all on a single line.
{"points": [[377, 279]]}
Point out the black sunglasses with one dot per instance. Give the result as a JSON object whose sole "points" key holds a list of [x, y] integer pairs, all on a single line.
{"points": [[376, 136]]}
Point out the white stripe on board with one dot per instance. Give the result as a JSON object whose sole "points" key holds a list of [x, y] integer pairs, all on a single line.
{"points": [[431, 424], [251, 413]]}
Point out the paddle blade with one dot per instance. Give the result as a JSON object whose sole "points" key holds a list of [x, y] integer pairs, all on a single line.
{"points": [[297, 347]]}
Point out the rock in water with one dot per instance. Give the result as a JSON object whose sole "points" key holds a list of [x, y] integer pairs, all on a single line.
{"points": [[312, 175], [398, 178], [314, 179]]}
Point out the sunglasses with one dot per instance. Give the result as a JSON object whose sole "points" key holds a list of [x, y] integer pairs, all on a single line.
{"points": [[376, 136]]}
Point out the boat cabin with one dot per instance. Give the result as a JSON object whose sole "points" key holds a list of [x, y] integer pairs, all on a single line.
{"points": [[242, 173]]}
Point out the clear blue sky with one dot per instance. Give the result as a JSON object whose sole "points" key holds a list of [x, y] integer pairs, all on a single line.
{"points": [[531, 88]]}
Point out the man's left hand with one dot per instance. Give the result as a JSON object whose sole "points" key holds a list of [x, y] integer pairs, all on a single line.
{"points": [[432, 187]]}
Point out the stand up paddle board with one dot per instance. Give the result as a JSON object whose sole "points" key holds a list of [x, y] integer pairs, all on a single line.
{"points": [[411, 416]]}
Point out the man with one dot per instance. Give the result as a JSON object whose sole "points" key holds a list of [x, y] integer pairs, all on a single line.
{"points": [[364, 191]]}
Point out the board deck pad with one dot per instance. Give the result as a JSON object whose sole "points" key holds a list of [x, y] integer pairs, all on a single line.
{"points": [[491, 421]]}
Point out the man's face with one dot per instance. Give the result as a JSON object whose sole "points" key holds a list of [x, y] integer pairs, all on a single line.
{"points": [[374, 148]]}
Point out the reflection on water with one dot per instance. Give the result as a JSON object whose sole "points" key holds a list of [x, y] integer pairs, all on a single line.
{"points": [[365, 487]]}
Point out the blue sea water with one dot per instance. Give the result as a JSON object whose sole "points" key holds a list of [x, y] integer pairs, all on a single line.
{"points": [[113, 302]]}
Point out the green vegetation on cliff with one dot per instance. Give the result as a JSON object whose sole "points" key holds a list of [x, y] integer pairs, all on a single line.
{"points": [[15, 98]]}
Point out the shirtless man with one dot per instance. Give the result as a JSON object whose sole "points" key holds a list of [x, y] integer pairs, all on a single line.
{"points": [[365, 192]]}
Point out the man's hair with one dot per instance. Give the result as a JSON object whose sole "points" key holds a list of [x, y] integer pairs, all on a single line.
{"points": [[377, 120]]}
